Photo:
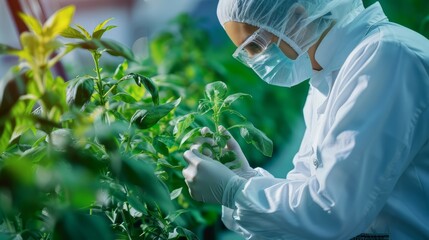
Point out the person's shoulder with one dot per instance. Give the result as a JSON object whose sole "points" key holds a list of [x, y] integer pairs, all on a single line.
{"points": [[390, 55], [390, 40]]}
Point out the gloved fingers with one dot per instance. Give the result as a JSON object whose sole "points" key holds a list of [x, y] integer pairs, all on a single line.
{"points": [[205, 140], [191, 158], [189, 175], [231, 144], [192, 192], [207, 152], [201, 156], [234, 166], [206, 131], [194, 157], [203, 144], [204, 150], [195, 146]]}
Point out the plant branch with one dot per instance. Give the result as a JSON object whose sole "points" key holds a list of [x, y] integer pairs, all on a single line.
{"points": [[96, 57]]}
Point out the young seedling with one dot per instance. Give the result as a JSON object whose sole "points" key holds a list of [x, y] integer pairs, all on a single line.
{"points": [[216, 106]]}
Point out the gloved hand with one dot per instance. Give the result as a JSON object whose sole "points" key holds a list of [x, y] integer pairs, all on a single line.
{"points": [[240, 165], [209, 181], [199, 143]]}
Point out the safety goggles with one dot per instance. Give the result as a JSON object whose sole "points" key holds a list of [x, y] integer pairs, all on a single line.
{"points": [[254, 45]]}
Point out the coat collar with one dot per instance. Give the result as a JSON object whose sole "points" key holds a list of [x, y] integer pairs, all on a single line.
{"points": [[340, 42]]}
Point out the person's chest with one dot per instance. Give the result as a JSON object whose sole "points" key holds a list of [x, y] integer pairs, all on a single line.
{"points": [[317, 119]]}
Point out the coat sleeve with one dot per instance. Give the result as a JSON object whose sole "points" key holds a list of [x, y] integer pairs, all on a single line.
{"points": [[300, 171], [373, 108]]}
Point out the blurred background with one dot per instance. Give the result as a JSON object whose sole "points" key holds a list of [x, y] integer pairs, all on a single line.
{"points": [[144, 26]]}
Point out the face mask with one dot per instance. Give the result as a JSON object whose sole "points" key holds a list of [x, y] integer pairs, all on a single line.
{"points": [[275, 68], [270, 63]]}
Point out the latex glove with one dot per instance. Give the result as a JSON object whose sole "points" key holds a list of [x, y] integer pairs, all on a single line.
{"points": [[209, 181], [204, 140], [240, 165]]}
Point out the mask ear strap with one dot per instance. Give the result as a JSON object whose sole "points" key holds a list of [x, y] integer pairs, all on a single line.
{"points": [[282, 32], [289, 41], [279, 41]]}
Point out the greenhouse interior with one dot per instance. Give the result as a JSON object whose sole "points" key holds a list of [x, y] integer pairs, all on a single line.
{"points": [[100, 99]]}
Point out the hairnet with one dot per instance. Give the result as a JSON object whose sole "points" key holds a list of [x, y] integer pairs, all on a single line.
{"points": [[300, 23]]}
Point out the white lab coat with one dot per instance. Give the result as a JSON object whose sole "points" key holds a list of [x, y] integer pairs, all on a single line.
{"points": [[363, 165]]}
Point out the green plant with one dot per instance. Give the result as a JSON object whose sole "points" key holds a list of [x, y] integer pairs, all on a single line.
{"points": [[101, 154], [217, 104], [85, 164], [186, 60]]}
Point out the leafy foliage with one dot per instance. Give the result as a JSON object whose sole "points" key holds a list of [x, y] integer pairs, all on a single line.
{"points": [[186, 67], [88, 158], [101, 155], [218, 103]]}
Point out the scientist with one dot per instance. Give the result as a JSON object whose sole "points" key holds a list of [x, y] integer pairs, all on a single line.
{"points": [[362, 170]]}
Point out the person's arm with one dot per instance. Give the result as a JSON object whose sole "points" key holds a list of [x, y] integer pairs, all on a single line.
{"points": [[371, 125], [300, 171]]}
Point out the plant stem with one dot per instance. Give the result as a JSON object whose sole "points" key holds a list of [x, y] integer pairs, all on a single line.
{"points": [[113, 87], [216, 117], [110, 90], [58, 57], [126, 225], [96, 58], [39, 81], [128, 142]]}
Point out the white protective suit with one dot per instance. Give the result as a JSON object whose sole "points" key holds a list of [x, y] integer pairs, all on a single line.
{"points": [[363, 165]]}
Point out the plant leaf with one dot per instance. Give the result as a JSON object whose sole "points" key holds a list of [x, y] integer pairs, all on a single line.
{"points": [[58, 22], [167, 140], [140, 174], [71, 32], [80, 90], [30, 43], [120, 70], [5, 49], [175, 193], [76, 225], [236, 113], [12, 87], [111, 47], [137, 204], [257, 138], [52, 46], [189, 135], [186, 233], [99, 33], [138, 115], [204, 106], [145, 119], [183, 123], [84, 31], [216, 91], [147, 83], [234, 97], [32, 23], [160, 147], [124, 97], [101, 25], [227, 157]]}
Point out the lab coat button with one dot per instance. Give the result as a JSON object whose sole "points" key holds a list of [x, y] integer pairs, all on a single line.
{"points": [[316, 162]]}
